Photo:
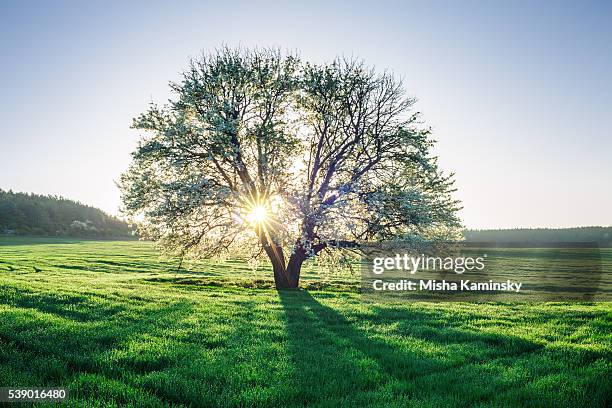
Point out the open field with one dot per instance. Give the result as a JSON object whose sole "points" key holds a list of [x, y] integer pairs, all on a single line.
{"points": [[120, 327]]}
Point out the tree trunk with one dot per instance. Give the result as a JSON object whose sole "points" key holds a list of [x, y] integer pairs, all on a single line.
{"points": [[294, 268], [285, 277], [275, 253], [280, 274]]}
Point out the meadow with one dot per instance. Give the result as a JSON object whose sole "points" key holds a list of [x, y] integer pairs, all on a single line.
{"points": [[119, 326]]}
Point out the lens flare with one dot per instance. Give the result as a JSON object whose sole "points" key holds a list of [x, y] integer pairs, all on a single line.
{"points": [[257, 215]]}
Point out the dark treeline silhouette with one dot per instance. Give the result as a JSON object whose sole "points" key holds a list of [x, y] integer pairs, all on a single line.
{"points": [[34, 214], [600, 235]]}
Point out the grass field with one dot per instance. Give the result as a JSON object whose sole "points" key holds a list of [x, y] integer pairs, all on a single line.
{"points": [[120, 327]]}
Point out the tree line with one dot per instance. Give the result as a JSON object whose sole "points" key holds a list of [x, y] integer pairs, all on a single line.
{"points": [[600, 235], [34, 214]]}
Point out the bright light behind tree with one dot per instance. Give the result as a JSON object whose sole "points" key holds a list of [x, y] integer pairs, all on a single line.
{"points": [[257, 215]]}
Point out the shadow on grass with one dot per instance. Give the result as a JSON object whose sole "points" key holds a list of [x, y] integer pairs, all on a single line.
{"points": [[19, 241], [67, 306], [240, 348], [391, 356], [75, 335]]}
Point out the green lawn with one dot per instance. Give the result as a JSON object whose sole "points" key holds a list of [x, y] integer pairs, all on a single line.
{"points": [[120, 327]]}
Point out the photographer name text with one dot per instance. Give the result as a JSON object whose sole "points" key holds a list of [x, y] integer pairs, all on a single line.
{"points": [[445, 286]]}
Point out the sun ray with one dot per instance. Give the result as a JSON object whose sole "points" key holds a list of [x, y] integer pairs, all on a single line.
{"points": [[257, 214]]}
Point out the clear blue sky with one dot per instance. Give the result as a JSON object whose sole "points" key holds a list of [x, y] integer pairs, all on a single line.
{"points": [[519, 93]]}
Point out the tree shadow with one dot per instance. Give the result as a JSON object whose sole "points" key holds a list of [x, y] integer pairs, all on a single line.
{"points": [[8, 241], [57, 336], [376, 358], [239, 348], [130, 353]]}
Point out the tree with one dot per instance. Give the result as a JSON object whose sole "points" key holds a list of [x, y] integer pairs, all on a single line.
{"points": [[261, 151]]}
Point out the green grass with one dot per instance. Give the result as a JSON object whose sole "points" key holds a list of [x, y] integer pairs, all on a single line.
{"points": [[120, 327]]}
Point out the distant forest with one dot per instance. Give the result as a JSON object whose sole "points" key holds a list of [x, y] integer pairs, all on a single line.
{"points": [[33, 214], [600, 235]]}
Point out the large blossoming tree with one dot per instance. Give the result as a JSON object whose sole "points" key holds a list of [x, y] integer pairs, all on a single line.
{"points": [[261, 151]]}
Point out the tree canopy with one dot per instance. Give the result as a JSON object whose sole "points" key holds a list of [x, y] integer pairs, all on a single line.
{"points": [[260, 151]]}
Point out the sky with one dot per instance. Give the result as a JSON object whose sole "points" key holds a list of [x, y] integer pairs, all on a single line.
{"points": [[519, 94]]}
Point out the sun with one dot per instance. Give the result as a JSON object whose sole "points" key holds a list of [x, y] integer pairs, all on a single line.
{"points": [[257, 215]]}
